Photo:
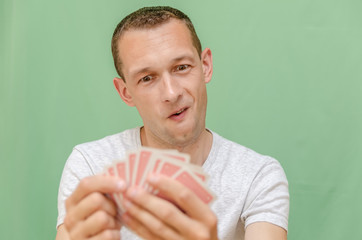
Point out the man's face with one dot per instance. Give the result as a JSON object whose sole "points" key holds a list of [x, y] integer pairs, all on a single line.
{"points": [[166, 81]]}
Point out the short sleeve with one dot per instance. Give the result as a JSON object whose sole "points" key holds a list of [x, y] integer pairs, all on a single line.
{"points": [[74, 170], [268, 197]]}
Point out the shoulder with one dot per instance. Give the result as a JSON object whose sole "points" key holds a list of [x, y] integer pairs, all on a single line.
{"points": [[243, 167], [235, 153], [99, 153], [125, 139], [256, 183]]}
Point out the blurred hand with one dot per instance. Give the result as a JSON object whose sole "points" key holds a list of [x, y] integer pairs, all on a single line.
{"points": [[90, 214], [152, 217]]}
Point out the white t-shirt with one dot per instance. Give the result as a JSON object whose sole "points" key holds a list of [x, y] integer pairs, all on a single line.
{"points": [[249, 187]]}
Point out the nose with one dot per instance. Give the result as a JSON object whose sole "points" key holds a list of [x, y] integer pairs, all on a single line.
{"points": [[171, 89]]}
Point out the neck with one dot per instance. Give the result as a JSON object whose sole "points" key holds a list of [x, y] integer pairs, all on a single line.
{"points": [[198, 149]]}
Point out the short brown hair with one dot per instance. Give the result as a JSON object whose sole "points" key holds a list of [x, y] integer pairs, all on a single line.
{"points": [[149, 17]]}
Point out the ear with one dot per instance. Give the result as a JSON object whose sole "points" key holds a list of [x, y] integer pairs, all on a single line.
{"points": [[206, 61], [123, 91]]}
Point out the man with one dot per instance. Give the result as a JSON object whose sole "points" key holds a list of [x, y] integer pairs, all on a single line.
{"points": [[163, 73]]}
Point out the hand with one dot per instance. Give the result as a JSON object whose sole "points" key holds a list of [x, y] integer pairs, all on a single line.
{"points": [[152, 217], [90, 214]]}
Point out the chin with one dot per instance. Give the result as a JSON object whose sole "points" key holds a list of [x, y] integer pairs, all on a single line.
{"points": [[185, 136]]}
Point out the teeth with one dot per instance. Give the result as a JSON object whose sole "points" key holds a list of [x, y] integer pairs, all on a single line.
{"points": [[179, 112]]}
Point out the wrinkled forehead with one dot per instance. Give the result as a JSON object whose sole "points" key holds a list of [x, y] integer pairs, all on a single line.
{"points": [[156, 46], [173, 30], [152, 26]]}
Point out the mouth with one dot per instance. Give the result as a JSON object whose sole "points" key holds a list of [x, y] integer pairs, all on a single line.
{"points": [[178, 113]]}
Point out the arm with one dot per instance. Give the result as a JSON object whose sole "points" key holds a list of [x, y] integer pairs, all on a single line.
{"points": [[90, 214], [265, 231], [267, 204], [152, 217]]}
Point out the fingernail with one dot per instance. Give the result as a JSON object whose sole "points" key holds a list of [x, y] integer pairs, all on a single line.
{"points": [[127, 204], [153, 178], [121, 185], [133, 192]]}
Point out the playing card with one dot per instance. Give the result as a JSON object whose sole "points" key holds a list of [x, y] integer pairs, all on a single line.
{"points": [[121, 170], [169, 167], [141, 165], [199, 172], [191, 181], [167, 163], [130, 167], [153, 166], [115, 197], [177, 156], [138, 165]]}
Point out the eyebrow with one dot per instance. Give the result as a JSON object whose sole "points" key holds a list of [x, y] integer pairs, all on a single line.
{"points": [[184, 57], [140, 71]]}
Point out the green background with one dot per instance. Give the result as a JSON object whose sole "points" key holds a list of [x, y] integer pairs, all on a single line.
{"points": [[287, 83]]}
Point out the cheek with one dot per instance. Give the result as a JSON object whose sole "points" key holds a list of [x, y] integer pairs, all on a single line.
{"points": [[203, 100], [195, 86], [147, 106], [202, 91]]}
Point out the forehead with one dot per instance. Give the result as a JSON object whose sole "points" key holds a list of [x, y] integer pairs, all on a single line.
{"points": [[155, 45]]}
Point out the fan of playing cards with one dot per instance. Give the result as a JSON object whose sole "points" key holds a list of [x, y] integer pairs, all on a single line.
{"points": [[137, 165]]}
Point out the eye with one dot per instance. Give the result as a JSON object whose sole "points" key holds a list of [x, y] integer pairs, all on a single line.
{"points": [[146, 78], [182, 67]]}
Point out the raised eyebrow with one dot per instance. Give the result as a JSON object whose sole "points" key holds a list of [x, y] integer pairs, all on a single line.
{"points": [[137, 72], [185, 57]]}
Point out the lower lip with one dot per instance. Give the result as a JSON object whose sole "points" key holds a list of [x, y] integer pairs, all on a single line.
{"points": [[178, 117]]}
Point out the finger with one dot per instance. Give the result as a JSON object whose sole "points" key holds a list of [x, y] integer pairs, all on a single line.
{"points": [[137, 227], [98, 183], [97, 223], [109, 234], [161, 209], [184, 197], [151, 221], [90, 204]]}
